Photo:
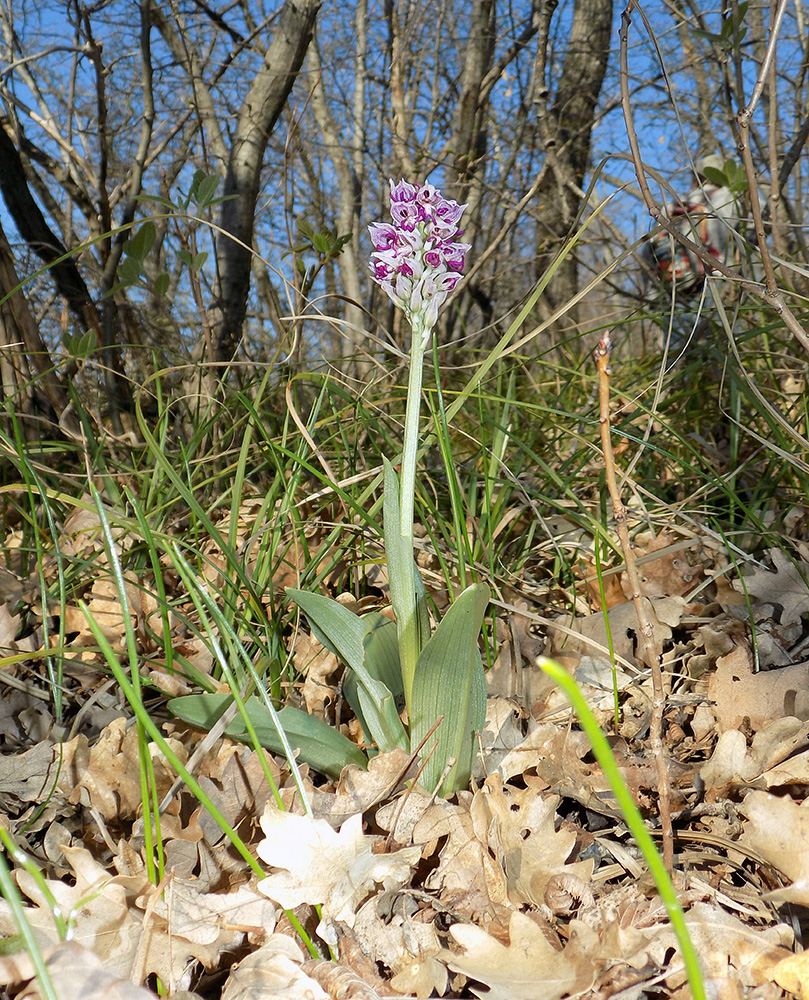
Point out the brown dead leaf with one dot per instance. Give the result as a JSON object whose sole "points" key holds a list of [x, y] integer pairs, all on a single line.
{"points": [[336, 869], [778, 829], [739, 693], [210, 921], [664, 613], [409, 948], [105, 920], [358, 789], [507, 748], [670, 574], [785, 586], [734, 765], [28, 776], [107, 775], [316, 664], [729, 951], [467, 874], [792, 974], [529, 967], [519, 827]]}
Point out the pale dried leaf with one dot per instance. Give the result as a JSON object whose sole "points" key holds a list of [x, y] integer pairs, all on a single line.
{"points": [[403, 945], [210, 919], [729, 950], [466, 872], [336, 869], [273, 972], [786, 586], [528, 968], [734, 764], [739, 693], [778, 829], [78, 973], [792, 974], [519, 827]]}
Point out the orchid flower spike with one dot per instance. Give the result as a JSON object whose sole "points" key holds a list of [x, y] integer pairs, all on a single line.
{"points": [[417, 259]]}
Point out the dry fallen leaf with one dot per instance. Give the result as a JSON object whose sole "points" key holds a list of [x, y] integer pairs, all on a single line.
{"points": [[739, 693], [734, 764], [336, 869], [78, 972], [729, 950], [778, 830], [519, 827], [272, 973], [528, 968], [792, 974]]}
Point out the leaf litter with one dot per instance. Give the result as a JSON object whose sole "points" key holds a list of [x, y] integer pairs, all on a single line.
{"points": [[526, 885]]}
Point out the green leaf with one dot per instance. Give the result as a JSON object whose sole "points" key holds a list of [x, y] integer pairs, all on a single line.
{"points": [[142, 241], [344, 633], [199, 260], [322, 747], [158, 200], [129, 270], [161, 284], [186, 257], [381, 661], [203, 188], [450, 682], [81, 345]]}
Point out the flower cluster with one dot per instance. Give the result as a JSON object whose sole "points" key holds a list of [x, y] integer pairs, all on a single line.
{"points": [[416, 259]]}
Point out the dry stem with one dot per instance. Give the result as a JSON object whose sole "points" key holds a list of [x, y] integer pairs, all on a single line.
{"points": [[652, 652]]}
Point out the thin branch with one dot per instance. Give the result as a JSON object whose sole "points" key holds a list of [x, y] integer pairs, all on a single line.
{"points": [[652, 652]]}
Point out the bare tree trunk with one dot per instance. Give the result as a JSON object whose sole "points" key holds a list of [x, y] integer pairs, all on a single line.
{"points": [[258, 114], [566, 129], [19, 335], [348, 162], [36, 232]]}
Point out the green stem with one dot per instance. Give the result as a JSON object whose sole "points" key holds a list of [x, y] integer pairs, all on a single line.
{"points": [[406, 616], [411, 433]]}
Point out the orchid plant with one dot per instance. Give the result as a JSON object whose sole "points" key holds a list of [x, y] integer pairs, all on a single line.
{"points": [[436, 676]]}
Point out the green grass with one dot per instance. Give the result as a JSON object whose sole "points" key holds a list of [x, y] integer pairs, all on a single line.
{"points": [[211, 510]]}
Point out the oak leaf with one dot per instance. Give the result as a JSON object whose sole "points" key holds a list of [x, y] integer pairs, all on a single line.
{"points": [[336, 869], [529, 967]]}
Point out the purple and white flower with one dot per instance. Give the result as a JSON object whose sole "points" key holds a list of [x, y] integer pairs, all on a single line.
{"points": [[417, 259]]}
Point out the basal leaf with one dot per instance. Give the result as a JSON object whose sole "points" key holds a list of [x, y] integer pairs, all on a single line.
{"points": [[450, 682], [381, 661], [321, 746], [344, 633]]}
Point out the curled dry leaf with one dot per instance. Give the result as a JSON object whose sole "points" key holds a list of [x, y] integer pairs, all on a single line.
{"points": [[778, 830], [335, 869], [272, 973], [519, 827]]}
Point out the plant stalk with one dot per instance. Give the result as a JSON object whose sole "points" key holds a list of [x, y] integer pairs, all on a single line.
{"points": [[407, 629]]}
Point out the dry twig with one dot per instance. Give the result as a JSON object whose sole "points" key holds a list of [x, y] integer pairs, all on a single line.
{"points": [[652, 652]]}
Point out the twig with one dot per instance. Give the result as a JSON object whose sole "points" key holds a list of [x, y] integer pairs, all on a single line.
{"points": [[652, 652]]}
